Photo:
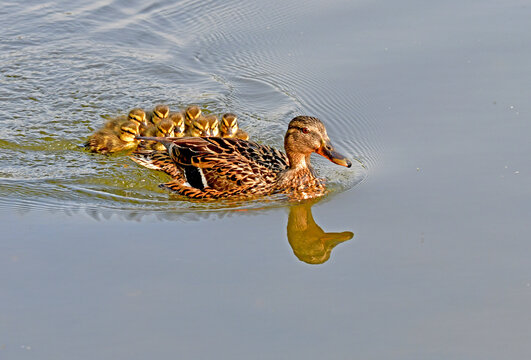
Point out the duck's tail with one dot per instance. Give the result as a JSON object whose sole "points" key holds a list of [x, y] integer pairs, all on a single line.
{"points": [[157, 160]]}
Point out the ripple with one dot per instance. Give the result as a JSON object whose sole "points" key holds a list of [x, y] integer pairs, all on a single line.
{"points": [[64, 72]]}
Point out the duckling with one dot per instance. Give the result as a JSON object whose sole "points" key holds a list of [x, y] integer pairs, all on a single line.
{"points": [[138, 115], [199, 127], [179, 124], [191, 114], [229, 127], [164, 128], [213, 124], [106, 141], [159, 112]]}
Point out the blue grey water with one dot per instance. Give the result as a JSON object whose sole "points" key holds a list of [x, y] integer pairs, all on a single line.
{"points": [[97, 262]]}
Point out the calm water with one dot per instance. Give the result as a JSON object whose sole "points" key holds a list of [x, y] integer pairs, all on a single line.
{"points": [[422, 255]]}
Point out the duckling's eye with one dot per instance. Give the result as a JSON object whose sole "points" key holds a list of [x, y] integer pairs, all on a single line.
{"points": [[305, 130]]}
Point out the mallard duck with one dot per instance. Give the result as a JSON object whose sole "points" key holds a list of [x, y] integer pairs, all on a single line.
{"points": [[179, 124], [219, 168], [138, 115], [159, 112], [164, 128], [213, 125], [199, 127], [228, 127], [107, 141]]}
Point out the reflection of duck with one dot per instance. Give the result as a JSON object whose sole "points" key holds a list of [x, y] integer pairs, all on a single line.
{"points": [[308, 241], [107, 141], [217, 168]]}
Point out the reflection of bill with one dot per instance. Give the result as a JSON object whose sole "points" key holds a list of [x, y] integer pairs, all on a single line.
{"points": [[308, 241]]}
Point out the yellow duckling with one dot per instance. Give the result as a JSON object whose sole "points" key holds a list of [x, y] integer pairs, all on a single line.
{"points": [[164, 128], [159, 112], [108, 141], [199, 127], [138, 115], [192, 113], [213, 124], [228, 127], [178, 123]]}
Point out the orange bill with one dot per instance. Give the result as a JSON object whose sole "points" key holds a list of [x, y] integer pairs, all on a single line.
{"points": [[327, 150]]}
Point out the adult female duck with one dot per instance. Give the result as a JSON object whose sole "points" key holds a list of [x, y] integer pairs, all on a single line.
{"points": [[219, 168]]}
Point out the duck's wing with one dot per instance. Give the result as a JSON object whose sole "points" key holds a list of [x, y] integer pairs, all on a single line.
{"points": [[224, 164]]}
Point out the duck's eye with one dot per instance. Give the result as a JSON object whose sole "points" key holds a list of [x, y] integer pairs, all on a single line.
{"points": [[305, 130]]}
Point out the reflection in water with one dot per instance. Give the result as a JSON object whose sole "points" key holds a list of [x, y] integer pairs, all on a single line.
{"points": [[308, 241]]}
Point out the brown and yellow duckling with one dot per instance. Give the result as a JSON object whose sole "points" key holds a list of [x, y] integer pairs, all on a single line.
{"points": [[229, 127], [164, 128], [106, 141], [137, 115], [198, 127], [159, 112], [192, 113], [213, 125], [219, 168], [179, 124]]}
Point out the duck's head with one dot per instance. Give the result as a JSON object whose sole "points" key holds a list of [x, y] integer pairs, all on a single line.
{"points": [[137, 115], [129, 130], [165, 128], [178, 122], [193, 112], [306, 135], [160, 112], [213, 124], [200, 127], [228, 125]]}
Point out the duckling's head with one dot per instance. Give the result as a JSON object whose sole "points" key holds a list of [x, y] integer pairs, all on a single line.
{"points": [[213, 124], [193, 112], [137, 115], [129, 130], [228, 125], [200, 127], [165, 128], [178, 122], [305, 135], [161, 112]]}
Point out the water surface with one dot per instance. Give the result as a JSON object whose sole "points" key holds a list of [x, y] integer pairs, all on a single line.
{"points": [[422, 255]]}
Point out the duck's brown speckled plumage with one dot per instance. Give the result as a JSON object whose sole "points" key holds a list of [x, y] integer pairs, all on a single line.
{"points": [[215, 168]]}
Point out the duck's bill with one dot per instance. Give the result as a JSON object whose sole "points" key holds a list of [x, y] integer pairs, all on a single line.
{"points": [[328, 152]]}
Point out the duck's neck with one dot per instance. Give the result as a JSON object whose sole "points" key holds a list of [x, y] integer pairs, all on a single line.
{"points": [[299, 162]]}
